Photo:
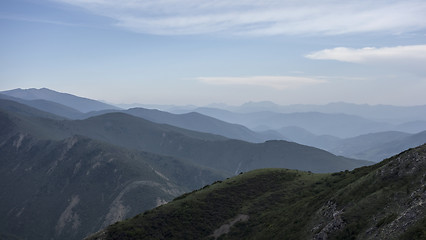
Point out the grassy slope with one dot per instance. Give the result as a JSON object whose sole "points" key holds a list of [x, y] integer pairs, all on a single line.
{"points": [[371, 202]]}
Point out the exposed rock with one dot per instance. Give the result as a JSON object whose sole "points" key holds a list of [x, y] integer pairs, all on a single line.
{"points": [[331, 221], [161, 202], [224, 229], [68, 216]]}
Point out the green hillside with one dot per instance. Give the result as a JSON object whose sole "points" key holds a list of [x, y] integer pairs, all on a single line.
{"points": [[383, 201]]}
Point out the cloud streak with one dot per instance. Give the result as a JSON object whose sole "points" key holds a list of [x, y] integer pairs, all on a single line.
{"points": [[276, 82], [416, 53], [260, 18], [35, 20]]}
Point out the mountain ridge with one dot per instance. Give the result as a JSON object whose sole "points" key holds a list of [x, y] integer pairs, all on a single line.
{"points": [[79, 103], [192, 121], [84, 174], [299, 134], [80, 185], [378, 112], [336, 124], [285, 204], [204, 149]]}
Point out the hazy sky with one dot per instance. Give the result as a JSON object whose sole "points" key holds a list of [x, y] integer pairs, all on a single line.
{"points": [[217, 51]]}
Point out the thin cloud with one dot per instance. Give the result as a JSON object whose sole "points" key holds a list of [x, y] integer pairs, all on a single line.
{"points": [[415, 53], [260, 18], [36, 20], [276, 82]]}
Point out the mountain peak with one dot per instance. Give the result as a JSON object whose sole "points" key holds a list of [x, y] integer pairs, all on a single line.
{"points": [[79, 103]]}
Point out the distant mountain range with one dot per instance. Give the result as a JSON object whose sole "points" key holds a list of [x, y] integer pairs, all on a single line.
{"points": [[192, 121], [381, 113], [205, 149], [82, 164], [387, 113], [64, 179], [383, 201], [341, 134], [377, 146], [372, 146], [78, 103], [340, 125]]}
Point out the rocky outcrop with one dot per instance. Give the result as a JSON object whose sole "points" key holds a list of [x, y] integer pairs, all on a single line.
{"points": [[224, 229], [403, 177], [411, 206], [330, 220]]}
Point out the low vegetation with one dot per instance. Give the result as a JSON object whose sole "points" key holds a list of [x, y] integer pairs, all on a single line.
{"points": [[382, 201]]}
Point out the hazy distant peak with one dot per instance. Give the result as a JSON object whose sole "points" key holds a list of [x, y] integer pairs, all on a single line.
{"points": [[260, 104], [79, 103]]}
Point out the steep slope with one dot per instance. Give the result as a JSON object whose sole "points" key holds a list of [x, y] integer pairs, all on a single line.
{"points": [[383, 201], [69, 188], [79, 103]]}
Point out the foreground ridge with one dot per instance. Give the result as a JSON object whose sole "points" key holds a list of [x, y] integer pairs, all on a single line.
{"points": [[383, 201]]}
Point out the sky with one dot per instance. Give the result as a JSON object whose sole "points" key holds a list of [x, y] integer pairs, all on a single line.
{"points": [[217, 51]]}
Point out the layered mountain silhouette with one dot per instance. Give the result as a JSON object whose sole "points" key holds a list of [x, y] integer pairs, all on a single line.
{"points": [[83, 164], [79, 103], [205, 149], [266, 123], [393, 114], [192, 121], [47, 106], [383, 201], [373, 146], [82, 175], [335, 124], [341, 134]]}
